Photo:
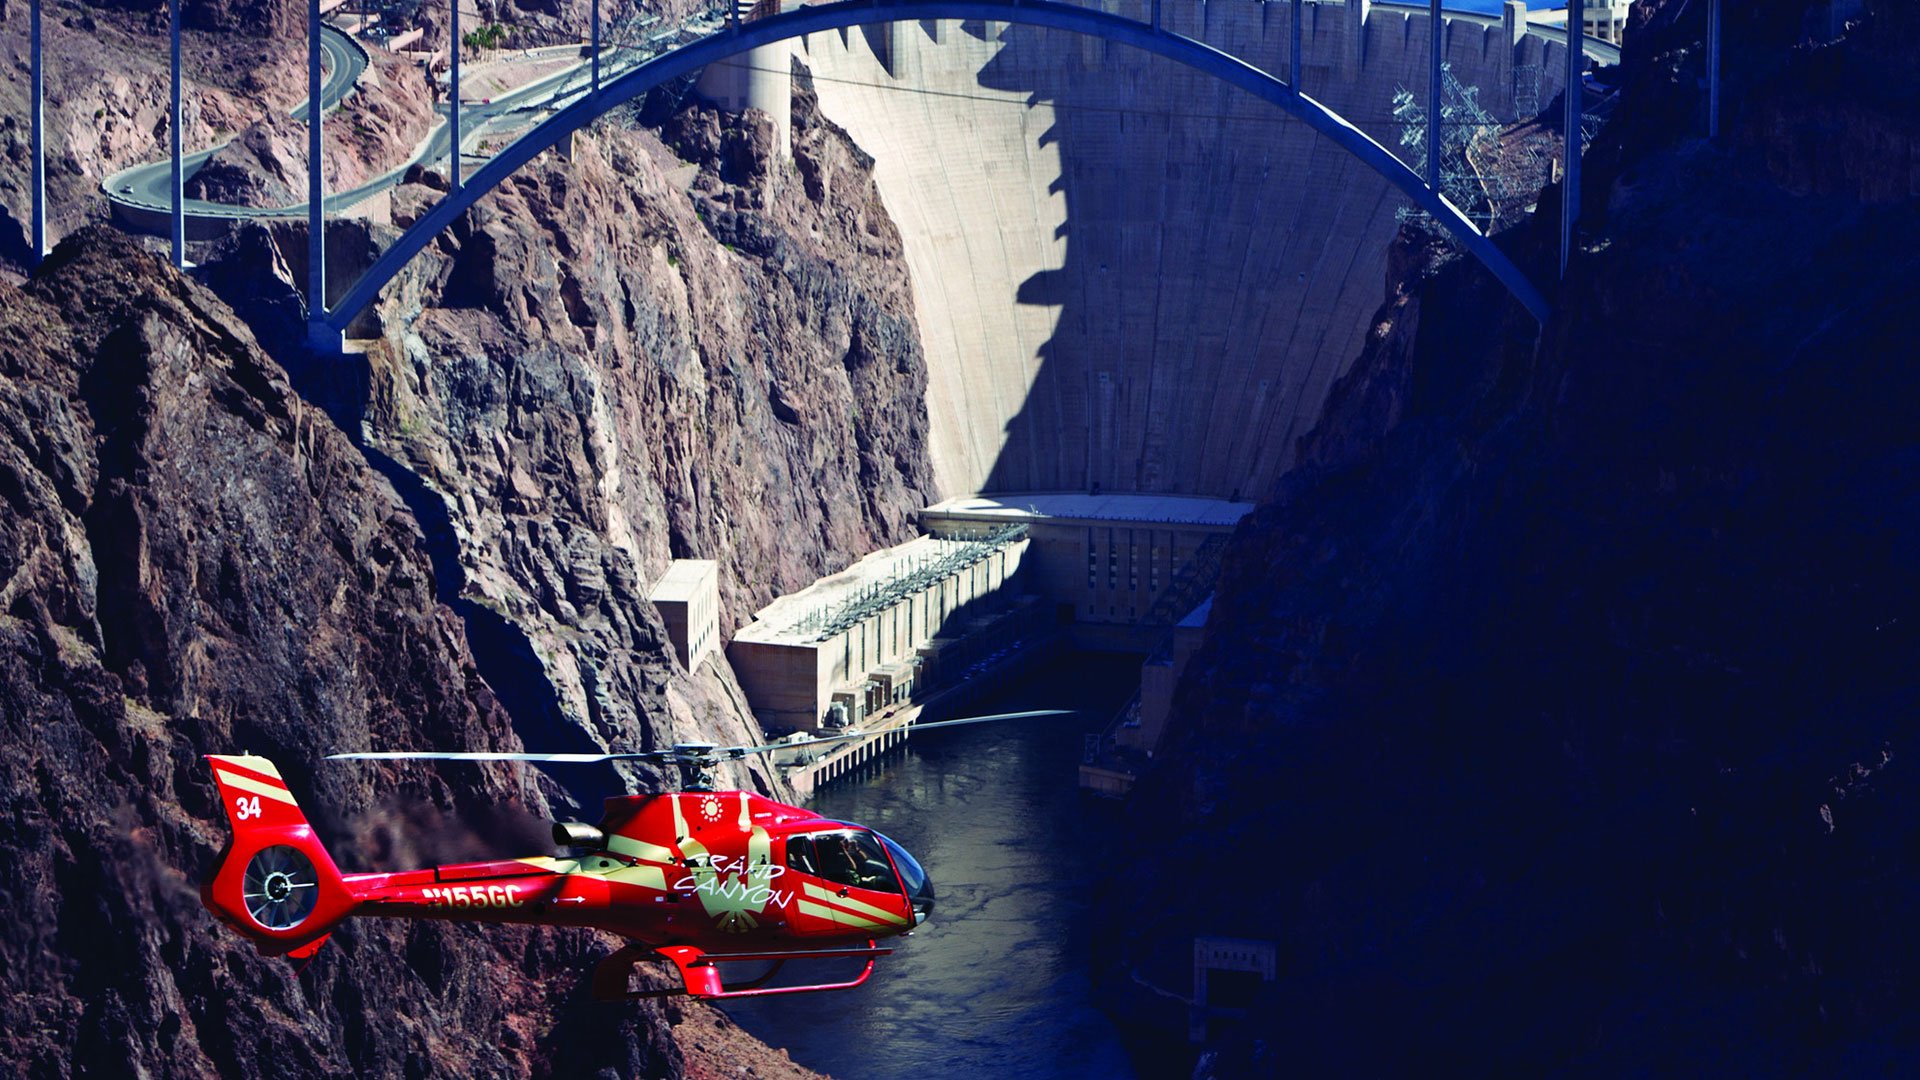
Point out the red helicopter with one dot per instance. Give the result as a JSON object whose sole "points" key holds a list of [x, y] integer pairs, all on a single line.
{"points": [[697, 877]]}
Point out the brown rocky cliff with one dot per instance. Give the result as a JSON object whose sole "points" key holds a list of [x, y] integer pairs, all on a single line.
{"points": [[625, 358], [193, 561], [377, 128]]}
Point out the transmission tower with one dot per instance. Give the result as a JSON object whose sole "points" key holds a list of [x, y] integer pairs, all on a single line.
{"points": [[1467, 133], [1526, 91]]}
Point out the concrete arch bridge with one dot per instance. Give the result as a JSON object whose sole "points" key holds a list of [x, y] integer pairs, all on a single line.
{"points": [[1154, 34]]}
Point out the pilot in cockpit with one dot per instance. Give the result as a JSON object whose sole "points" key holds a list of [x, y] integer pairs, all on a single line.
{"points": [[843, 859]]}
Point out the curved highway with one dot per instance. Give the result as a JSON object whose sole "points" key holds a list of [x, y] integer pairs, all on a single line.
{"points": [[141, 196], [144, 189]]}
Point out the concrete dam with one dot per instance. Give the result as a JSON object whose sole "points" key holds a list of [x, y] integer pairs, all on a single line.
{"points": [[1129, 276], [1135, 286]]}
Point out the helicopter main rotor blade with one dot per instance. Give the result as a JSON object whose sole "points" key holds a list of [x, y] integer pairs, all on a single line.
{"points": [[733, 752], [686, 754]]}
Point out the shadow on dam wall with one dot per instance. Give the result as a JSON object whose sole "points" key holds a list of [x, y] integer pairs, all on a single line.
{"points": [[1130, 276], [1175, 364]]}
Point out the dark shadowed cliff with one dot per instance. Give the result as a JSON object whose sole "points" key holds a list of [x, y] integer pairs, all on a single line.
{"points": [[193, 560], [1558, 713]]}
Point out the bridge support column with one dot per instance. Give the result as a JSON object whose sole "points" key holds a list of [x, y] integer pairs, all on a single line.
{"points": [[1356, 34], [1436, 29], [1576, 89], [176, 186], [759, 78], [38, 77], [316, 190], [453, 95]]}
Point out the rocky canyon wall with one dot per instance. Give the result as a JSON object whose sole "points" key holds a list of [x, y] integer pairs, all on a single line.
{"points": [[1554, 716], [193, 560], [674, 345]]}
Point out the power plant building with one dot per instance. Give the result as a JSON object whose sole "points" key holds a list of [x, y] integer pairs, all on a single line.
{"points": [[871, 636], [688, 596], [1123, 560]]}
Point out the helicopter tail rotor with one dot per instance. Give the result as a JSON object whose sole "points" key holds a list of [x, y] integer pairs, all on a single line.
{"points": [[275, 883]]}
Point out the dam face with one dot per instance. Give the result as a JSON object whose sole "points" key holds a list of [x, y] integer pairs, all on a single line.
{"points": [[1129, 276], [1135, 287]]}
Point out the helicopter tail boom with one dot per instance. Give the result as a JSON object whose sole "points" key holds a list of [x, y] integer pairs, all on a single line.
{"points": [[275, 883]]}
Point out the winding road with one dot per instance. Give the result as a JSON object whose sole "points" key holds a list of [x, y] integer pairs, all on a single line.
{"points": [[140, 193], [141, 197]]}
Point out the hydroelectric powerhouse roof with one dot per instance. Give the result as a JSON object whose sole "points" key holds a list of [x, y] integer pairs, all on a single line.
{"points": [[869, 586]]}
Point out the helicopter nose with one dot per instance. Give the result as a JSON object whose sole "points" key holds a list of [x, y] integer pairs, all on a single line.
{"points": [[923, 901], [914, 881]]}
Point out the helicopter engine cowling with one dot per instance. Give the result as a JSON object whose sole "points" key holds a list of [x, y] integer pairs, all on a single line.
{"points": [[578, 834]]}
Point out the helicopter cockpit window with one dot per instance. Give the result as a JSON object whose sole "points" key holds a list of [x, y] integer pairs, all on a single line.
{"points": [[800, 855], [845, 858]]}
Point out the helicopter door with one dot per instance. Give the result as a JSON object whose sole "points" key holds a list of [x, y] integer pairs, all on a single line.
{"points": [[844, 883]]}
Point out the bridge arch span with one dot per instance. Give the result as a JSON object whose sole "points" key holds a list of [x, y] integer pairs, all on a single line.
{"points": [[1048, 14]]}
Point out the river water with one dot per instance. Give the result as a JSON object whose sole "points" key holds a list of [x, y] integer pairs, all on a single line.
{"points": [[996, 983]]}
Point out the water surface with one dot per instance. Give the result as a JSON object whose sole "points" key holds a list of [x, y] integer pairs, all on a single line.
{"points": [[997, 983]]}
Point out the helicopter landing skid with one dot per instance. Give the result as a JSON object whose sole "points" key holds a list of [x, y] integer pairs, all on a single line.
{"points": [[700, 974]]}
